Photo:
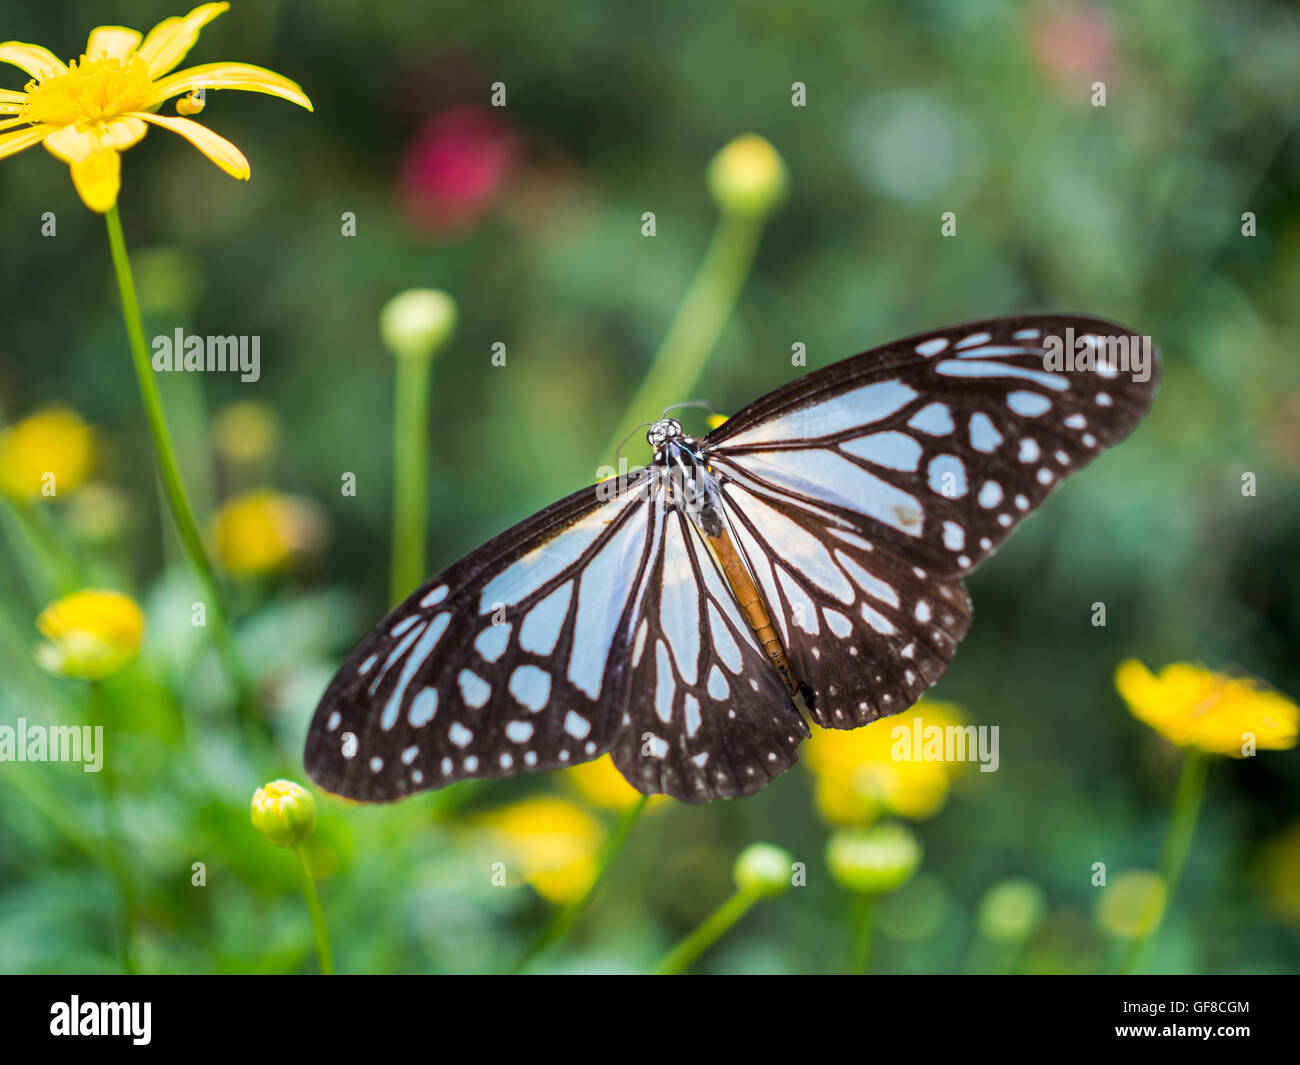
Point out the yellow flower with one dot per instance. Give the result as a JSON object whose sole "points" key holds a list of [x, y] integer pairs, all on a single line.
{"points": [[1280, 866], [89, 111], [601, 784], [554, 841], [48, 453], [91, 634], [283, 812], [263, 532], [858, 776], [1196, 707], [246, 432]]}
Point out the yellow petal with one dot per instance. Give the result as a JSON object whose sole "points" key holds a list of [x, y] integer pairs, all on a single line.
{"points": [[230, 76], [37, 61], [168, 42], [11, 101], [111, 42], [215, 147], [75, 144], [12, 143], [98, 179]]}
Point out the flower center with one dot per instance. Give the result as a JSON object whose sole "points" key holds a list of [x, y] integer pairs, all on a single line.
{"points": [[92, 90]]}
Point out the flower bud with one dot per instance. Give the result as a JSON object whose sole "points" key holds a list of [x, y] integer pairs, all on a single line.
{"points": [[284, 812], [1009, 911], [417, 322], [763, 870], [748, 176], [90, 634], [871, 861], [1133, 903]]}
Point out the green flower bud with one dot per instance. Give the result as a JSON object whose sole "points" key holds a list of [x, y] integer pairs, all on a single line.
{"points": [[1132, 904], [871, 861], [748, 176], [763, 870], [417, 322], [284, 812], [1009, 911]]}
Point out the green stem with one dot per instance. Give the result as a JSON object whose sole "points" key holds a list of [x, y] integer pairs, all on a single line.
{"points": [[685, 351], [101, 713], [563, 920], [317, 914], [410, 474], [711, 929], [61, 570], [864, 914], [1188, 795], [173, 486]]}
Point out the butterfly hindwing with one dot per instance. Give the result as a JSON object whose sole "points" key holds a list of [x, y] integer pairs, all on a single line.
{"points": [[514, 659], [707, 716], [865, 632]]}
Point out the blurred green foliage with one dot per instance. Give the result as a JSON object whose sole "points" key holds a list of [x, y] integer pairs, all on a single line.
{"points": [[531, 217]]}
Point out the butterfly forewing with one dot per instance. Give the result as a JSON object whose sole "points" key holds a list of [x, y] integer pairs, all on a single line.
{"points": [[513, 660], [941, 443]]}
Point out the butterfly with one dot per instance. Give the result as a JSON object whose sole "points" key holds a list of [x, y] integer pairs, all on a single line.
{"points": [[803, 562]]}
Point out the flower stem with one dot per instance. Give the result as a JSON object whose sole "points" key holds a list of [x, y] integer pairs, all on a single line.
{"points": [[563, 920], [1188, 795], [708, 303], [61, 570], [101, 713], [173, 486], [710, 930], [864, 915], [317, 914], [410, 474]]}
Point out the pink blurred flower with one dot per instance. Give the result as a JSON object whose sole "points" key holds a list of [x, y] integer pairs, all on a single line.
{"points": [[1073, 44], [455, 168]]}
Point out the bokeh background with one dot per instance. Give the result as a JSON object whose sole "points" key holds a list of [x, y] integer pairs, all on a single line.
{"points": [[530, 216]]}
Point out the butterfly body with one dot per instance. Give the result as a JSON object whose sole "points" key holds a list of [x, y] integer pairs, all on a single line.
{"points": [[811, 550]]}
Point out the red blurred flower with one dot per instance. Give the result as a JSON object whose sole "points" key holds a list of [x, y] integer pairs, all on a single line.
{"points": [[1074, 43], [455, 168]]}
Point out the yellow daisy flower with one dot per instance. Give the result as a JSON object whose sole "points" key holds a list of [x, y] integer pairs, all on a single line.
{"points": [[601, 784], [858, 776], [263, 531], [556, 843], [49, 453], [1195, 707], [87, 112], [91, 634]]}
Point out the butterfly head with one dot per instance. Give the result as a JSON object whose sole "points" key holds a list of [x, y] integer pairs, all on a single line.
{"points": [[664, 431]]}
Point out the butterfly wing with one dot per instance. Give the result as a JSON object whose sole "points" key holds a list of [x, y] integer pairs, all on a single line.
{"points": [[938, 445], [707, 717], [863, 492], [514, 659]]}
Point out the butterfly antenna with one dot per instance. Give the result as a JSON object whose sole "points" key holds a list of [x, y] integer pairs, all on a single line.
{"points": [[618, 451], [690, 403]]}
